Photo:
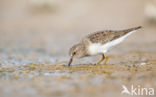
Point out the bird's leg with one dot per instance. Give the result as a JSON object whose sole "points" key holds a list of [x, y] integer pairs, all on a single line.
{"points": [[106, 59], [103, 57]]}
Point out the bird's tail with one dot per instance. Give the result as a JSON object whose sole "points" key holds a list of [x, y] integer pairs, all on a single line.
{"points": [[133, 29], [128, 31], [136, 28]]}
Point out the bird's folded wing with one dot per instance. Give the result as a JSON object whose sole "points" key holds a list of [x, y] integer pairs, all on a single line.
{"points": [[108, 35]]}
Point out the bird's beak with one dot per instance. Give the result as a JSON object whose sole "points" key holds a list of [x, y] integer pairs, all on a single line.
{"points": [[70, 61]]}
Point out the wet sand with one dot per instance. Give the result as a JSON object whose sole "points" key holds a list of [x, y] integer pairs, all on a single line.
{"points": [[82, 80]]}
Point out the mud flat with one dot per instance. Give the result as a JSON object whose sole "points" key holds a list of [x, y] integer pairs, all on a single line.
{"points": [[42, 80]]}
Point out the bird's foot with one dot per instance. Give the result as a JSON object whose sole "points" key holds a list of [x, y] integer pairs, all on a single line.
{"points": [[103, 57]]}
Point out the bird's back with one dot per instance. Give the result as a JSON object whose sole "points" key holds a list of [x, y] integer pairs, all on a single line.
{"points": [[109, 35]]}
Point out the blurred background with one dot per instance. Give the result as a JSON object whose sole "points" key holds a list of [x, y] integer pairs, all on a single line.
{"points": [[42, 31], [52, 26]]}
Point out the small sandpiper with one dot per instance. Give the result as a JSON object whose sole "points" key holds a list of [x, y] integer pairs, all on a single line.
{"points": [[99, 43]]}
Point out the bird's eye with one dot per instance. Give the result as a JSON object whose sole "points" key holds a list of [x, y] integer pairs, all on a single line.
{"points": [[74, 53]]}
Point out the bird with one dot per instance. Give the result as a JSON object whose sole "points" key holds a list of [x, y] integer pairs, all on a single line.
{"points": [[98, 43]]}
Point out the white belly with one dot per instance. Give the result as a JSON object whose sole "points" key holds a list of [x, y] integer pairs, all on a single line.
{"points": [[97, 48]]}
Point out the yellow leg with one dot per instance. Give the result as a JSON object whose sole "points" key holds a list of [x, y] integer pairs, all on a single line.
{"points": [[106, 60], [103, 57]]}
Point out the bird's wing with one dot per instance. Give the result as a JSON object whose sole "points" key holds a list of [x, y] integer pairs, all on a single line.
{"points": [[108, 35]]}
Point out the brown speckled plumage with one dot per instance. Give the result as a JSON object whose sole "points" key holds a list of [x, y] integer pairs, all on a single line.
{"points": [[89, 45], [108, 35]]}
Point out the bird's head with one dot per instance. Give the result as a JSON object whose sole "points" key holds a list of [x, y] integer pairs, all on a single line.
{"points": [[77, 51]]}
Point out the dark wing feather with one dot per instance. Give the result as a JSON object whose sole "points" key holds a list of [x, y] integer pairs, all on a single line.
{"points": [[108, 35]]}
